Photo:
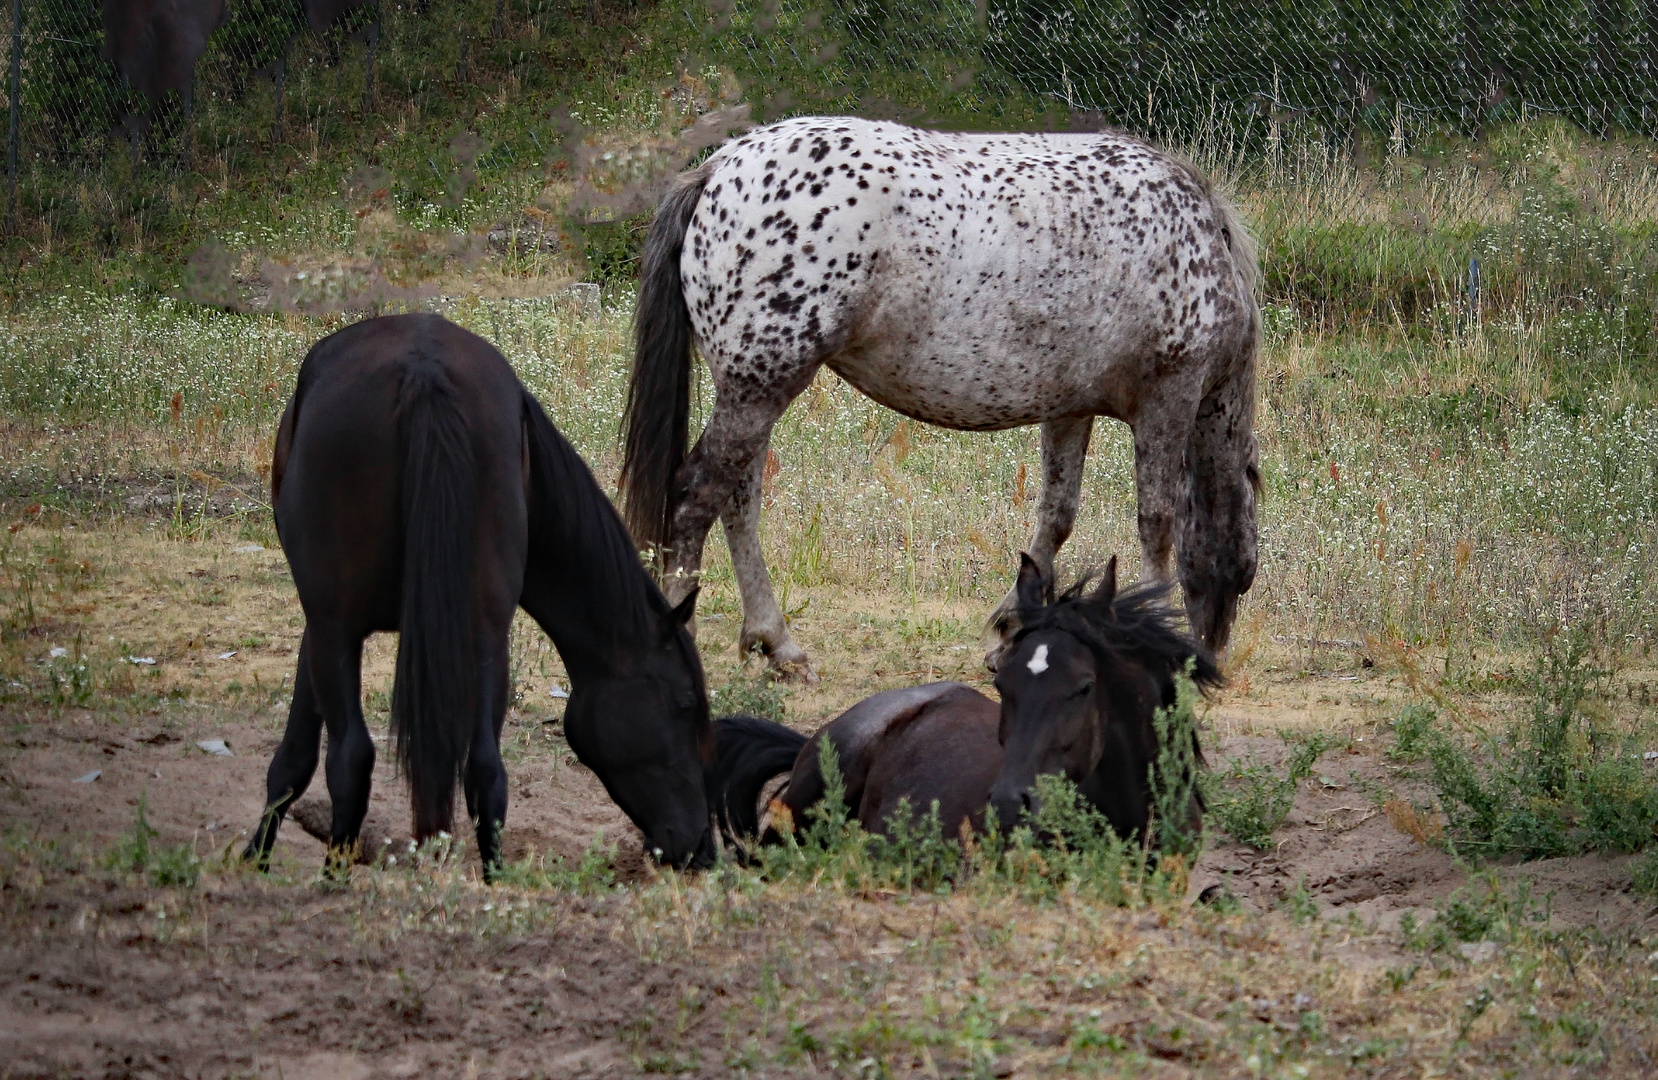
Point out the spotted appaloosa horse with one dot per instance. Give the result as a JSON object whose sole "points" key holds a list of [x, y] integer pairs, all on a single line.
{"points": [[978, 282]]}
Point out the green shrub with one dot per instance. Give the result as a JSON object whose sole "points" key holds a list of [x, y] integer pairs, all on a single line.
{"points": [[1645, 878], [1065, 845], [1557, 781], [757, 696], [1254, 800]]}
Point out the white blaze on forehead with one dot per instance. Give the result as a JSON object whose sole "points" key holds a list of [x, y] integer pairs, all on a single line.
{"points": [[1038, 663]]}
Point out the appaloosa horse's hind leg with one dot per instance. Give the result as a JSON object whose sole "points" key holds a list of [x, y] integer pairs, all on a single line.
{"points": [[1064, 456], [293, 765], [764, 626], [732, 444]]}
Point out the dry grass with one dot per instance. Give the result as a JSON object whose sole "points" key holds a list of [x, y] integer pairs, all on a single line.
{"points": [[1440, 493]]}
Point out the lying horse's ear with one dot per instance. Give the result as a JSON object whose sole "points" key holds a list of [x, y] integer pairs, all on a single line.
{"points": [[1032, 589], [681, 615], [1106, 590]]}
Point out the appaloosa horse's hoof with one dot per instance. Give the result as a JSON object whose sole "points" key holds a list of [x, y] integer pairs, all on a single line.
{"points": [[798, 670]]}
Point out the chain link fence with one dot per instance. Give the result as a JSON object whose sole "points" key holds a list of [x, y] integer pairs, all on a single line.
{"points": [[154, 80], [1399, 68]]}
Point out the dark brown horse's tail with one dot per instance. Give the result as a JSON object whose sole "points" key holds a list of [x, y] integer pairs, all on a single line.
{"points": [[656, 425], [434, 696], [748, 751]]}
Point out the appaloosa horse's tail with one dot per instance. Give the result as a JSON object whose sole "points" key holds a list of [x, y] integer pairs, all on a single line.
{"points": [[434, 696], [658, 417]]}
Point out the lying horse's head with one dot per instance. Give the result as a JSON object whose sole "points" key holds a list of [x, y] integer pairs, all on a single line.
{"points": [[1080, 683]]}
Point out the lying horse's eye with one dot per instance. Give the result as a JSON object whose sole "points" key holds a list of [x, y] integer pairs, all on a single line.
{"points": [[1084, 690]]}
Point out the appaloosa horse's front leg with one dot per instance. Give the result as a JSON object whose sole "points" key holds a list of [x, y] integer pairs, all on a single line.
{"points": [[763, 623], [1064, 455], [1218, 543], [1162, 438]]}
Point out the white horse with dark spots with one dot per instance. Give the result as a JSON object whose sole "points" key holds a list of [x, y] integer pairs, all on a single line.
{"points": [[977, 282]]}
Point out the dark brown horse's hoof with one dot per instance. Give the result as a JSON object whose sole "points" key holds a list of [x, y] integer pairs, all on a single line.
{"points": [[1216, 895]]}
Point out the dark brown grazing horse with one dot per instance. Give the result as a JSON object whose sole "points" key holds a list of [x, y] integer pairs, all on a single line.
{"points": [[1082, 680], [155, 45], [420, 488]]}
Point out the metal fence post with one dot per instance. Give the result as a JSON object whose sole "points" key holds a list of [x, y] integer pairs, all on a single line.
{"points": [[15, 107]]}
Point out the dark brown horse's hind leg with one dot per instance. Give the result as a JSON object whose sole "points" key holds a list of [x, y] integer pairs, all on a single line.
{"points": [[485, 781], [336, 677], [293, 765]]}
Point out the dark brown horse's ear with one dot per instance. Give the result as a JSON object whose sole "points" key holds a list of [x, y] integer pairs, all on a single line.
{"points": [[1106, 590], [1031, 588], [681, 615]]}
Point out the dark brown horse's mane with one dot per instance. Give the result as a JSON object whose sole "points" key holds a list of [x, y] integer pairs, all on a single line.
{"points": [[1138, 623], [571, 510]]}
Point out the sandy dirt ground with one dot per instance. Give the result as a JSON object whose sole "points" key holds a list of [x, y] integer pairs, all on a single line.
{"points": [[285, 977]]}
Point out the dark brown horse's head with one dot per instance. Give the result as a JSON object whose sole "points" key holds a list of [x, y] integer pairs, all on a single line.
{"points": [[645, 731], [1080, 684]]}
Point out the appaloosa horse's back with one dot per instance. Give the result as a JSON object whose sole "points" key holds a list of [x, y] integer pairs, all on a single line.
{"points": [[978, 282]]}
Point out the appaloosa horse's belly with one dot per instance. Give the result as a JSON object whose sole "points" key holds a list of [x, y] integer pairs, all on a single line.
{"points": [[970, 281]]}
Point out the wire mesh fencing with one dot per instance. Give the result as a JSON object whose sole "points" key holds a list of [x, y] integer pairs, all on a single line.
{"points": [[1398, 68], [158, 82]]}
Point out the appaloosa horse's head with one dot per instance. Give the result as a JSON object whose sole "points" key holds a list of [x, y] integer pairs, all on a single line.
{"points": [[1080, 685]]}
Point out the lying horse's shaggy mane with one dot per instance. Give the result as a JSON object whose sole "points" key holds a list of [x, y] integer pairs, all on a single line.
{"points": [[1137, 622]]}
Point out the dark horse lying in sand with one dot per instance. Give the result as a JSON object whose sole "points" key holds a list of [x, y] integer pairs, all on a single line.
{"points": [[1081, 684], [420, 488]]}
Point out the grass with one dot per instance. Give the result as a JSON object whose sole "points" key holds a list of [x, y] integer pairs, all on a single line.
{"points": [[1562, 777], [1460, 490], [852, 978]]}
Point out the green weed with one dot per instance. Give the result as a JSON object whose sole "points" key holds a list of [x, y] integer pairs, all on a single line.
{"points": [[1250, 802], [1560, 780], [746, 695], [176, 866], [593, 873], [1174, 778]]}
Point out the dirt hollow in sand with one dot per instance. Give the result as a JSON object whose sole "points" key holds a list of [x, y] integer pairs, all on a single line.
{"points": [[277, 980]]}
